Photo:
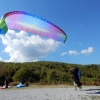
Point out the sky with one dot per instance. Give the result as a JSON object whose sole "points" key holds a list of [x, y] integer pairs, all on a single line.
{"points": [[79, 19]]}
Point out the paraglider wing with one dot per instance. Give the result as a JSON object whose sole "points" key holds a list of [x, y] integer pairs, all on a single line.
{"points": [[19, 20], [3, 26]]}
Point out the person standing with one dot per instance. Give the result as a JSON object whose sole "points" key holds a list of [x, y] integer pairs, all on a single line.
{"points": [[22, 80], [6, 82]]}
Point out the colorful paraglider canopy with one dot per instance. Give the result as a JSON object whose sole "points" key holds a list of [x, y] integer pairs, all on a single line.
{"points": [[19, 20]]}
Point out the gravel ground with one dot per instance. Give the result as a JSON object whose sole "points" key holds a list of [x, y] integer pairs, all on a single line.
{"points": [[50, 93]]}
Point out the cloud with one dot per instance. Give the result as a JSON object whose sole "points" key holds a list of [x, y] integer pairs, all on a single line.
{"points": [[72, 52], [21, 47], [87, 51], [1, 59], [64, 53]]}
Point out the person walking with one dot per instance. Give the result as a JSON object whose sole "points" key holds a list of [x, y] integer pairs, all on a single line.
{"points": [[76, 75]]}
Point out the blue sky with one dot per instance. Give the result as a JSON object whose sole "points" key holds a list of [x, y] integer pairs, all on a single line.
{"points": [[79, 19]]}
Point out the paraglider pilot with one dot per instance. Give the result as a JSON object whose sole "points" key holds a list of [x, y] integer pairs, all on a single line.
{"points": [[76, 75]]}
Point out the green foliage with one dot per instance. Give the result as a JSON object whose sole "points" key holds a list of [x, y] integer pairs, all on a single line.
{"points": [[22, 72], [44, 72]]}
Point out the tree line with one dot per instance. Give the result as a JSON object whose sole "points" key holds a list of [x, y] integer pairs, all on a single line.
{"points": [[46, 72]]}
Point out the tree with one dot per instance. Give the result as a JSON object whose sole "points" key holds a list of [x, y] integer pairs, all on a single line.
{"points": [[23, 72]]}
